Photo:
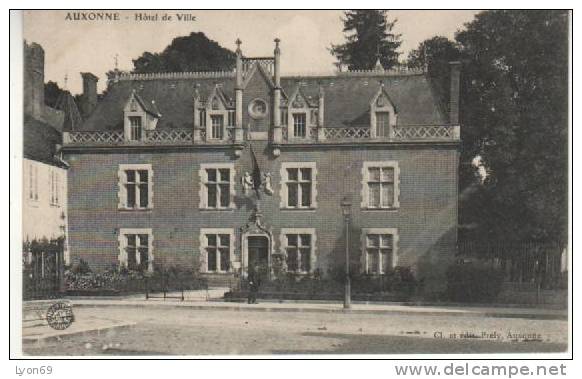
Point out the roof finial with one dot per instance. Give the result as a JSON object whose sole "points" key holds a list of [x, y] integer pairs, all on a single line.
{"points": [[238, 43], [66, 80], [116, 61], [378, 66], [277, 50]]}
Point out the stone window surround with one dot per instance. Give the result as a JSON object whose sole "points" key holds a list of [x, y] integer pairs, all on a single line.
{"points": [[122, 243], [204, 245], [388, 108], [306, 109], [363, 245], [283, 243], [147, 122], [122, 191], [222, 111], [283, 190], [203, 193], [364, 184]]}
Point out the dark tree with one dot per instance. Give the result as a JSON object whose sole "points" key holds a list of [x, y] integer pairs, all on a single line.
{"points": [[434, 55], [514, 114], [52, 91], [368, 36], [189, 53]]}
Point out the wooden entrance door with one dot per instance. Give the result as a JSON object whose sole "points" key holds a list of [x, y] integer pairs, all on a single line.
{"points": [[258, 254]]}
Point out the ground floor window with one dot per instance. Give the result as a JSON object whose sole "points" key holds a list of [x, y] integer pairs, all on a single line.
{"points": [[217, 247], [299, 249], [136, 249], [379, 250]]}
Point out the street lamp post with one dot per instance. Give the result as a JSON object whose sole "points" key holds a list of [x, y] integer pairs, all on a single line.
{"points": [[346, 211]]}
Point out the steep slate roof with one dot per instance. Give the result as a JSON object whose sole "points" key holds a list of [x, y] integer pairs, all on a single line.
{"points": [[347, 98], [39, 140], [66, 103]]}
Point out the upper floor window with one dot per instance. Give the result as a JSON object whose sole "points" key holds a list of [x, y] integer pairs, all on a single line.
{"points": [[298, 185], [55, 188], [379, 250], [217, 189], [299, 125], [135, 128], [217, 247], [32, 182], [382, 124], [135, 186], [380, 187], [217, 131], [136, 249]]}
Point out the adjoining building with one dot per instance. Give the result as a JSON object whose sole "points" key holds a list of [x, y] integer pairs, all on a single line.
{"points": [[220, 171], [44, 200]]}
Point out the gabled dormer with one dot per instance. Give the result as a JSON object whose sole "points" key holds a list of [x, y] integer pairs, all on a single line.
{"points": [[302, 115], [383, 114], [139, 116], [214, 115]]}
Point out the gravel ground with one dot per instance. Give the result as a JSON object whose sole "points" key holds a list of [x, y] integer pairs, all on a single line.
{"points": [[201, 332]]}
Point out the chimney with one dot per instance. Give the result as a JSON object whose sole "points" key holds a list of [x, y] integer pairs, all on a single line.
{"points": [[89, 98], [454, 95], [34, 80]]}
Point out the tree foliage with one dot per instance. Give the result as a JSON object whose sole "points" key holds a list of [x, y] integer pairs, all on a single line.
{"points": [[189, 53], [368, 36], [52, 92], [514, 114]]}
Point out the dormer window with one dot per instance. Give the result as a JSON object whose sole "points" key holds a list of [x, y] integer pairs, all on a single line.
{"points": [[135, 128], [382, 115], [382, 124], [299, 125], [217, 126], [139, 118]]}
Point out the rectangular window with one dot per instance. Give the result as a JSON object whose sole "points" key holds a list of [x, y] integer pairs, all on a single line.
{"points": [[299, 187], [136, 186], [299, 125], [379, 253], [382, 124], [135, 128], [298, 250], [284, 120], [217, 126], [137, 249], [217, 186], [217, 252], [202, 117], [380, 187], [54, 187], [231, 118]]}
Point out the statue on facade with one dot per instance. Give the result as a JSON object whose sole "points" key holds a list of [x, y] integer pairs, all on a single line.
{"points": [[247, 183]]}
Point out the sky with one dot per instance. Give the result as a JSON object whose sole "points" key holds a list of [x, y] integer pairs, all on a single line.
{"points": [[72, 47]]}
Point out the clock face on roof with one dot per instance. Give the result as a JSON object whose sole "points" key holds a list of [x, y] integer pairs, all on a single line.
{"points": [[257, 108]]}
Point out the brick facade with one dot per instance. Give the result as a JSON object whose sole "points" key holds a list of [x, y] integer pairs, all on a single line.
{"points": [[426, 219]]}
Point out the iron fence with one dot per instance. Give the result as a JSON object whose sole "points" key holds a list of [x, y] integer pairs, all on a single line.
{"points": [[523, 264]]}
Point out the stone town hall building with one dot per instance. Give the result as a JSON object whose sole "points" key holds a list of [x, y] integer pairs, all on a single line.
{"points": [[165, 171]]}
